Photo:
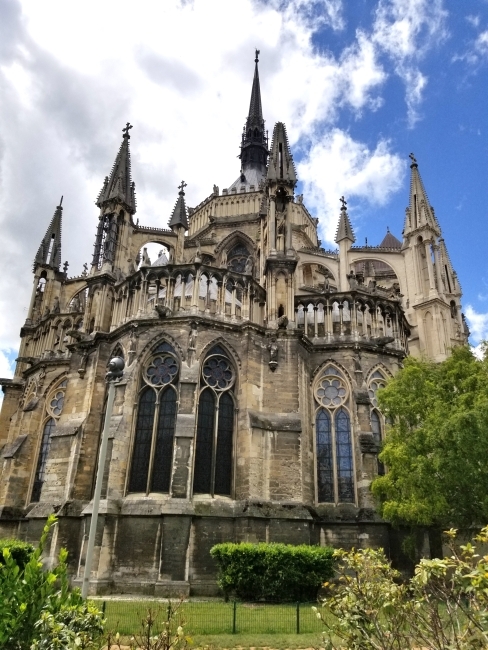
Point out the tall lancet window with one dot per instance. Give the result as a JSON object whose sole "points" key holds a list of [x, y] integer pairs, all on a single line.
{"points": [[377, 381], [152, 452], [214, 447], [333, 440], [54, 408]]}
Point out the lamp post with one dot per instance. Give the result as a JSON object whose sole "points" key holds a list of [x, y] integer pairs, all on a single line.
{"points": [[115, 372]]}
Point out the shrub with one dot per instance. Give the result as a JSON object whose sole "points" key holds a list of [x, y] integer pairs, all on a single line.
{"points": [[443, 607], [37, 607], [19, 551], [274, 572]]}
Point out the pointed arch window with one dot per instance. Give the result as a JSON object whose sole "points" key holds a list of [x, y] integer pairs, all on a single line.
{"points": [[54, 408], [214, 447], [377, 381], [237, 258], [152, 453], [333, 441]]}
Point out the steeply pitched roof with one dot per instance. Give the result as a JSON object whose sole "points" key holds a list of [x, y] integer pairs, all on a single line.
{"points": [[49, 252], [390, 241], [179, 216], [119, 185], [280, 164], [344, 228]]}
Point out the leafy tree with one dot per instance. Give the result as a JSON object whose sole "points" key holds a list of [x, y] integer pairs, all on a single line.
{"points": [[436, 449], [37, 607], [444, 606]]}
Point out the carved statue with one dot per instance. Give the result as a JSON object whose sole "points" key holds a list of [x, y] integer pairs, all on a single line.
{"points": [[223, 260], [198, 254], [192, 337], [75, 306], [273, 350], [56, 308], [249, 266], [146, 261], [282, 322], [216, 190], [132, 352]]}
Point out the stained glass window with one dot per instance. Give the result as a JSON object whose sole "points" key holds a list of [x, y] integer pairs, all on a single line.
{"points": [[42, 459], [223, 455], [237, 258], [215, 427], [142, 442], [376, 428], [333, 441], [345, 472], [325, 470], [163, 455], [152, 454], [202, 478]]}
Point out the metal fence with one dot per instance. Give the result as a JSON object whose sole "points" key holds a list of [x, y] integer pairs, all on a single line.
{"points": [[212, 617]]}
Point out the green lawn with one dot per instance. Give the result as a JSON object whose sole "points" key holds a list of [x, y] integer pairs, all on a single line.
{"points": [[216, 619]]}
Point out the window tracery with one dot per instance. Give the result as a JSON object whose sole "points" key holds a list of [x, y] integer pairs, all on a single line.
{"points": [[237, 258], [215, 426], [152, 453], [377, 381], [54, 408], [333, 442]]}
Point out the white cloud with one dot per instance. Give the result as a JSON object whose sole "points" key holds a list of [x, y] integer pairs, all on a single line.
{"points": [[478, 324], [406, 30], [338, 165]]}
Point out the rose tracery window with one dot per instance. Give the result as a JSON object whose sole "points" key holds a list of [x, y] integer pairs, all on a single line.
{"points": [[152, 453], [215, 426], [333, 443], [237, 258], [54, 407]]}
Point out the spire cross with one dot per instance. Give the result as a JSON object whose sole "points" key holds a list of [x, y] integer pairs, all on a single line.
{"points": [[256, 60], [412, 158], [344, 202], [125, 130], [182, 186]]}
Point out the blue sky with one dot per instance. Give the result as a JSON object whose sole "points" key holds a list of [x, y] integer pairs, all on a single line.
{"points": [[359, 84]]}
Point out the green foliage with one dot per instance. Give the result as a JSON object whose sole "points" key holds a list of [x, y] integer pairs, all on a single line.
{"points": [[436, 450], [37, 607], [19, 551], [443, 607], [275, 572]]}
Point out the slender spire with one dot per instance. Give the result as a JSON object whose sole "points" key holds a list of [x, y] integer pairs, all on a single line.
{"points": [[419, 213], [179, 216], [344, 228], [254, 143], [281, 165], [49, 252], [255, 108], [118, 187]]}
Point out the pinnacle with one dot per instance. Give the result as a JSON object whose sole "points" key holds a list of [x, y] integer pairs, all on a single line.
{"points": [[179, 216], [420, 212], [49, 251], [119, 186], [281, 165], [344, 228]]}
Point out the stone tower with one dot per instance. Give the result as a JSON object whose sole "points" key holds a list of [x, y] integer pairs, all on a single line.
{"points": [[253, 357]]}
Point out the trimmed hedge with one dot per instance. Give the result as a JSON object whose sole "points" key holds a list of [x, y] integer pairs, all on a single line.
{"points": [[19, 550], [272, 572]]}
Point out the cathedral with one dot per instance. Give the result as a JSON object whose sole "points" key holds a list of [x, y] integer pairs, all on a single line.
{"points": [[253, 356]]}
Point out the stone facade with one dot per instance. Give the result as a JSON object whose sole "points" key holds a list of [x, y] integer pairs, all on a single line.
{"points": [[247, 410]]}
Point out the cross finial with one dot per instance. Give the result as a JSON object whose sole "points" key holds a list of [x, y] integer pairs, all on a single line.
{"points": [[412, 158], [125, 130], [344, 202], [256, 60], [182, 186]]}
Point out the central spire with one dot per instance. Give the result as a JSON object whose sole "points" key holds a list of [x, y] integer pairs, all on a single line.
{"points": [[254, 144], [119, 186]]}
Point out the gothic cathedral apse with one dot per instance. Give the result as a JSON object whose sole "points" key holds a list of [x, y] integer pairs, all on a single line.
{"points": [[253, 357]]}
